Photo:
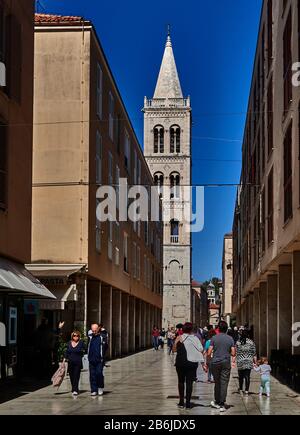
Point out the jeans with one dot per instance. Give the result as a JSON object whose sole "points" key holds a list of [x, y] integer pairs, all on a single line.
{"points": [[265, 385], [155, 342], [209, 375], [244, 375], [221, 373], [74, 372], [186, 376], [96, 376], [170, 345]]}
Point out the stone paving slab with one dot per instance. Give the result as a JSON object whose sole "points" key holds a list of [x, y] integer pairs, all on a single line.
{"points": [[146, 384]]}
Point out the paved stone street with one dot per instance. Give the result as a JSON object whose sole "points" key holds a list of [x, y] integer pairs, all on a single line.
{"points": [[146, 384]]}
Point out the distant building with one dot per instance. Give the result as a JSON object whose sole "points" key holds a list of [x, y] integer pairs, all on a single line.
{"points": [[227, 286], [199, 304], [214, 307]]}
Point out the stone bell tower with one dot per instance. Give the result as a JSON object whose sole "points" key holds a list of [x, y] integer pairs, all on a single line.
{"points": [[167, 149]]}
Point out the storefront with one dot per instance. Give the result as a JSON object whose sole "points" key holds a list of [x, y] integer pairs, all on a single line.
{"points": [[17, 285]]}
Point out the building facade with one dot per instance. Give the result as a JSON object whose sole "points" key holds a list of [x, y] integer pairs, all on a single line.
{"points": [[110, 271], [266, 227], [226, 302], [16, 115], [199, 305], [167, 148]]}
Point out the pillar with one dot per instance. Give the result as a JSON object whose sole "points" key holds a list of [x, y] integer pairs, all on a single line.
{"points": [[272, 307], [143, 325], [296, 294], [81, 303], [132, 323], [149, 325], [117, 320], [256, 318], [263, 318], [251, 303], [106, 314], [138, 325], [285, 302], [124, 323]]}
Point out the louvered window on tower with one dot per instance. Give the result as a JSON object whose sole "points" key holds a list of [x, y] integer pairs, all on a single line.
{"points": [[159, 144], [175, 139]]}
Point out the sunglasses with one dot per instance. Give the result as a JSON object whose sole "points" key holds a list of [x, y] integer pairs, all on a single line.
{"points": [[75, 335]]}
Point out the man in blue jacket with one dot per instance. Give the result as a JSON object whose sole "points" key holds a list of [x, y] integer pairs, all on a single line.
{"points": [[96, 353]]}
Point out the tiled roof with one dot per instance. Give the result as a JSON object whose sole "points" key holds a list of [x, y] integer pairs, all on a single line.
{"points": [[196, 284], [49, 18]]}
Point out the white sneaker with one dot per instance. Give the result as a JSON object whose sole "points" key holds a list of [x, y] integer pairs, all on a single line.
{"points": [[94, 394], [222, 409], [74, 393], [213, 404], [100, 392]]}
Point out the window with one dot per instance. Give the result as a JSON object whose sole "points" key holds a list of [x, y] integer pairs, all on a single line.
{"points": [[159, 182], [118, 133], [263, 144], [117, 243], [3, 166], [118, 187], [111, 111], [287, 63], [270, 208], [270, 117], [270, 33], [98, 158], [125, 253], [146, 232], [13, 330], [99, 91], [110, 240], [288, 175], [159, 144], [134, 260], [148, 273], [175, 186], [98, 230], [110, 169], [2, 33], [175, 139], [174, 231], [127, 151], [138, 263], [135, 167]]}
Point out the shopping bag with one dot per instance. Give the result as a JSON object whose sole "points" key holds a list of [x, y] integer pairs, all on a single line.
{"points": [[59, 375]]}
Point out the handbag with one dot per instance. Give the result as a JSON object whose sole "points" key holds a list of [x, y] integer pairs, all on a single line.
{"points": [[59, 375]]}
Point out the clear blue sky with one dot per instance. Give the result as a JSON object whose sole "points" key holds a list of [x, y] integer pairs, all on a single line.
{"points": [[214, 43]]}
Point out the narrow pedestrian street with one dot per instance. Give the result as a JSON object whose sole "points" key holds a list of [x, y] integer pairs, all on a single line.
{"points": [[146, 384]]}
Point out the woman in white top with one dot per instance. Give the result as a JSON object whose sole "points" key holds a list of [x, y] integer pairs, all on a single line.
{"points": [[189, 354]]}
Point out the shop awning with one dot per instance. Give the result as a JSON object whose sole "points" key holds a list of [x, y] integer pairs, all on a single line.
{"points": [[16, 279], [54, 270]]}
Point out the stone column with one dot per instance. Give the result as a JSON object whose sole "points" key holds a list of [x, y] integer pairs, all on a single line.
{"points": [[106, 314], [285, 307], [138, 325], [148, 333], [117, 321], [256, 322], [263, 318], [296, 293], [125, 324], [132, 323], [81, 303], [143, 325], [272, 306], [93, 303]]}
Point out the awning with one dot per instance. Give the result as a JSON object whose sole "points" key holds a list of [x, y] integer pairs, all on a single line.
{"points": [[16, 279], [54, 270]]}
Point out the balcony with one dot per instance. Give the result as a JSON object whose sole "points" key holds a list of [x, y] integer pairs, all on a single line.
{"points": [[157, 103], [174, 239]]}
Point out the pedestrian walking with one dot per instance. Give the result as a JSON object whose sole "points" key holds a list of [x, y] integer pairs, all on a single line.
{"points": [[96, 354], [208, 358], [264, 369], [222, 348], [74, 353], [245, 358], [155, 337], [171, 338], [189, 355]]}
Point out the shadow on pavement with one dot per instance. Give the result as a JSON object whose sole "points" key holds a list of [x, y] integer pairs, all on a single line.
{"points": [[11, 389]]}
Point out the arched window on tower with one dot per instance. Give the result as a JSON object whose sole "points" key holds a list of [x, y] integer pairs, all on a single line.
{"points": [[159, 139], [175, 139], [174, 231], [159, 182], [175, 185]]}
